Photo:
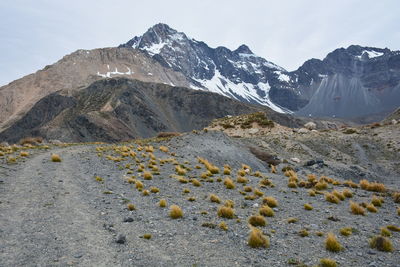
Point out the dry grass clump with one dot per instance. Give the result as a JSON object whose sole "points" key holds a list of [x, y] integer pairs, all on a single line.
{"points": [[242, 180], [229, 203], [321, 185], [376, 201], [325, 262], [273, 169], [266, 211], [350, 183], [162, 203], [393, 228], [292, 220], [167, 134], [311, 193], [347, 193], [147, 236], [339, 195], [381, 243], [398, 211], [55, 158], [346, 231], [149, 149], [372, 208], [131, 207], [227, 170], [292, 184], [180, 171], [186, 191], [175, 212], [331, 198], [183, 180], [258, 193], [308, 206], [146, 192], [385, 232], [223, 226], [303, 233], [226, 212], [265, 182], [375, 187], [164, 149], [229, 184], [209, 166], [154, 190], [24, 154], [257, 220], [191, 199], [396, 197], [215, 198], [139, 185], [332, 244], [356, 208], [248, 189], [196, 182], [270, 201], [257, 239], [147, 175]]}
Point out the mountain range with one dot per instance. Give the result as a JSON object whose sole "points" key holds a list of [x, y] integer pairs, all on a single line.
{"points": [[350, 83]]}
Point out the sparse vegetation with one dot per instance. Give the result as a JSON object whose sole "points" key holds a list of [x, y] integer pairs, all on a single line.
{"points": [[270, 201], [215, 198], [332, 244], [229, 184], [331, 198], [131, 207], [257, 239], [346, 231], [381, 243], [226, 212], [356, 208], [325, 262], [257, 220], [266, 211], [308, 206], [223, 226], [175, 212], [162, 203], [55, 158]]}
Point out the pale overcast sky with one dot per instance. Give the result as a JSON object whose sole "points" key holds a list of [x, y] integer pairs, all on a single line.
{"points": [[35, 33]]}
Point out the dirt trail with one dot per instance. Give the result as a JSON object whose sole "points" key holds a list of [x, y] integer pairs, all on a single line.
{"points": [[46, 221]]}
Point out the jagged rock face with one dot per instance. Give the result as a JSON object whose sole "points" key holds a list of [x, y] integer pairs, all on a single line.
{"points": [[350, 83], [77, 71], [238, 74], [119, 109]]}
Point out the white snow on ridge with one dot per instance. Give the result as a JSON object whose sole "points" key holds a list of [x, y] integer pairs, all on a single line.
{"points": [[154, 49], [116, 72], [371, 54], [282, 77], [222, 85]]}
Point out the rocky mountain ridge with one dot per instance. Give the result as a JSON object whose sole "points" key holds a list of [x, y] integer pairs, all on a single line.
{"points": [[348, 83]]}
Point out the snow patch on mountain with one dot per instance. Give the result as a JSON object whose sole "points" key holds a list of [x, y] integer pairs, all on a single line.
{"points": [[116, 72], [371, 54], [221, 85]]}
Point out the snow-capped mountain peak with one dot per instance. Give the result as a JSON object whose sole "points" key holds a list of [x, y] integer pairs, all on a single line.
{"points": [[239, 74]]}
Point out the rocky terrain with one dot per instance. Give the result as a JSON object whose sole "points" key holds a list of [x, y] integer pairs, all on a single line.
{"points": [[118, 109], [77, 71], [99, 204]]}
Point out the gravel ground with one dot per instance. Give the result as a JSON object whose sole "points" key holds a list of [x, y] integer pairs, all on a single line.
{"points": [[59, 214]]}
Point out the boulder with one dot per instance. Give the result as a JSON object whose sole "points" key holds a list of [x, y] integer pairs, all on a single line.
{"points": [[303, 131], [310, 125]]}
